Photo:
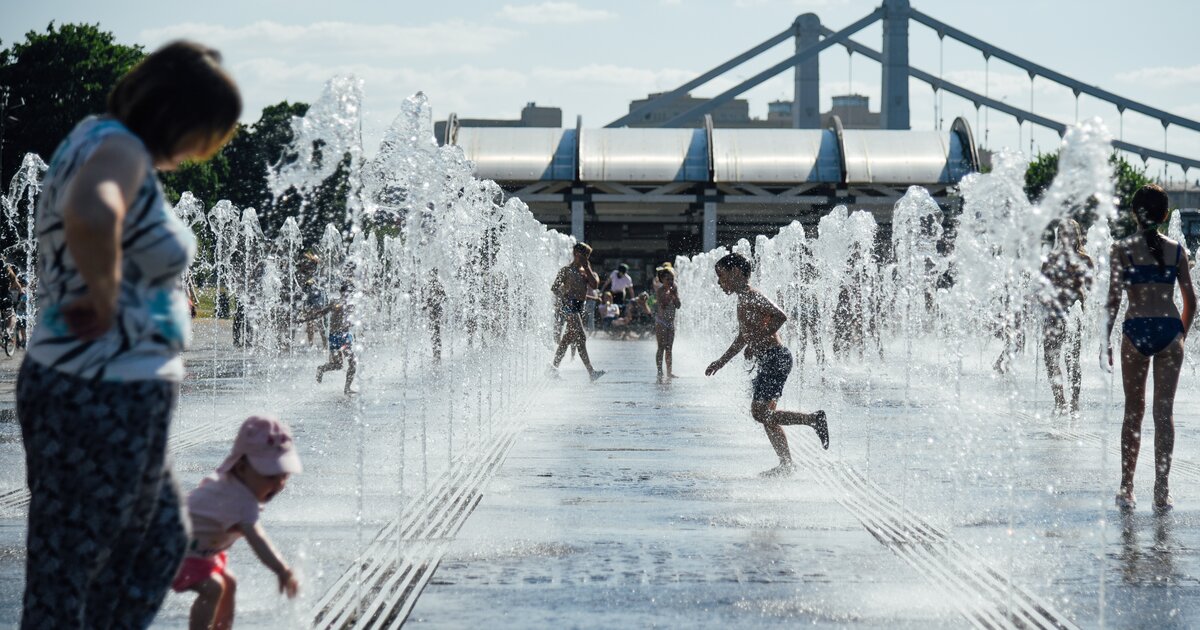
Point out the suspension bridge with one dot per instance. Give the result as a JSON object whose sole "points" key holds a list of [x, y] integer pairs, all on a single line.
{"points": [[684, 184]]}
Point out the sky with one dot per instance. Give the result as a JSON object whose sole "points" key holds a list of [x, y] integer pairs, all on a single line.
{"points": [[590, 58]]}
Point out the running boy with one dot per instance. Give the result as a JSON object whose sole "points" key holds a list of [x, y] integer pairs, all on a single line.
{"points": [[759, 320], [571, 287], [225, 507], [667, 302], [341, 341]]}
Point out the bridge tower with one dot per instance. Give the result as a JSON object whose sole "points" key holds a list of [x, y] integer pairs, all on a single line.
{"points": [[806, 104], [894, 108]]}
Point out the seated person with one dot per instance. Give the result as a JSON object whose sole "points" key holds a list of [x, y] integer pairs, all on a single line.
{"points": [[609, 312]]}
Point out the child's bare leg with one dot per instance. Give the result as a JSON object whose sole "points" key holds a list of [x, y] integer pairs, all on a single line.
{"points": [[659, 338], [564, 341], [335, 363], [667, 353], [351, 368], [816, 420], [208, 600], [575, 330], [763, 412], [224, 617]]}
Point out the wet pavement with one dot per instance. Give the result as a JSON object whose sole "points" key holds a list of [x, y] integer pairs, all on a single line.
{"points": [[628, 504], [945, 500]]}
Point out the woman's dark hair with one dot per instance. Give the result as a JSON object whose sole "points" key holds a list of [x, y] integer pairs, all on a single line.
{"points": [[1151, 206], [177, 94], [736, 261]]}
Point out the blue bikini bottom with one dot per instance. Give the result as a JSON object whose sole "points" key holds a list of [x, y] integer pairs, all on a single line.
{"points": [[1151, 335]]}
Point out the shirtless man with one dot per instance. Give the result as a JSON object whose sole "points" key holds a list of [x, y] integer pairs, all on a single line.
{"points": [[759, 320], [571, 287]]}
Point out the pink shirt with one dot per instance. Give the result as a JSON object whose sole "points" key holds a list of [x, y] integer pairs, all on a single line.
{"points": [[216, 506]]}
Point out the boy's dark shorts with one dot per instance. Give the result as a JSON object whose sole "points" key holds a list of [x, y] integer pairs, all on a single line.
{"points": [[774, 366]]}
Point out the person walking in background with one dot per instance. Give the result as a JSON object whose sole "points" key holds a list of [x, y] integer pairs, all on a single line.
{"points": [[571, 287], [621, 285], [101, 379], [433, 302], [759, 320], [1067, 275], [664, 319], [1146, 267]]}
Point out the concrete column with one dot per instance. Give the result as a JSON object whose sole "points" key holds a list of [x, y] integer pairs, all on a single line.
{"points": [[806, 103], [577, 214], [709, 233], [894, 108]]}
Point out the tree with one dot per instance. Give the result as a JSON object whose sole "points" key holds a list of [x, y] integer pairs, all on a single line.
{"points": [[53, 80], [206, 180], [1127, 179], [250, 154]]}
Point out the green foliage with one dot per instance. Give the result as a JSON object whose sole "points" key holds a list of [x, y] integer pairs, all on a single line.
{"points": [[206, 180], [1127, 180], [251, 152], [53, 80], [1039, 175]]}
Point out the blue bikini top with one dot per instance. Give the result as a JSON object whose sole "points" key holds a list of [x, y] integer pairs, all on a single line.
{"points": [[1152, 274]]}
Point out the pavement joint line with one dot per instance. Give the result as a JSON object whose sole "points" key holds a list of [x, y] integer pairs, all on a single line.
{"points": [[428, 502], [443, 511], [927, 548]]}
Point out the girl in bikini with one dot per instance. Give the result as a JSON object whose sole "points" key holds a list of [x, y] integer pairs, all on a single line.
{"points": [[664, 319], [1145, 267]]}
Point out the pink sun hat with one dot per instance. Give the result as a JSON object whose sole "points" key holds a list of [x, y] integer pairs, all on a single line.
{"points": [[267, 444]]}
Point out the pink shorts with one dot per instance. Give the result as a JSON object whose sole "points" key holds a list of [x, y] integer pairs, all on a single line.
{"points": [[196, 570]]}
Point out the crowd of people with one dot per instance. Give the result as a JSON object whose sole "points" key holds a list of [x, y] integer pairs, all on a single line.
{"points": [[108, 530]]}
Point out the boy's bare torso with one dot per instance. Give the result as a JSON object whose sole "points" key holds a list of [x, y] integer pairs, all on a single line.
{"points": [[755, 313], [573, 282]]}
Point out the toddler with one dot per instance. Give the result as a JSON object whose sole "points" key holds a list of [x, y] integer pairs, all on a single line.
{"points": [[225, 507]]}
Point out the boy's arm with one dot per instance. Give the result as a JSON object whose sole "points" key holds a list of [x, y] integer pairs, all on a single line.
{"points": [[256, 537], [556, 287], [772, 317], [738, 343], [315, 314]]}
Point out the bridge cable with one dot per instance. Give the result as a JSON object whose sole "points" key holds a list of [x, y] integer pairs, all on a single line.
{"points": [[1031, 78], [987, 84], [940, 109]]}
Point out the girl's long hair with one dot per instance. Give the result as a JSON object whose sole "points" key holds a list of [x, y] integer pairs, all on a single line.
{"points": [[1150, 206]]}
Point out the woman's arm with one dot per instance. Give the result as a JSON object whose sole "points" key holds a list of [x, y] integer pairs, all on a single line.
{"points": [[96, 201], [1116, 285], [1187, 291]]}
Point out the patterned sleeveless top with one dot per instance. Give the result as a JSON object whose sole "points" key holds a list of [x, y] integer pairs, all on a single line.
{"points": [[152, 324]]}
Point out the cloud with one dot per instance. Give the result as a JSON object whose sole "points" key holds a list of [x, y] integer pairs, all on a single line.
{"points": [[324, 39], [1163, 76], [614, 75], [795, 4], [553, 13]]}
